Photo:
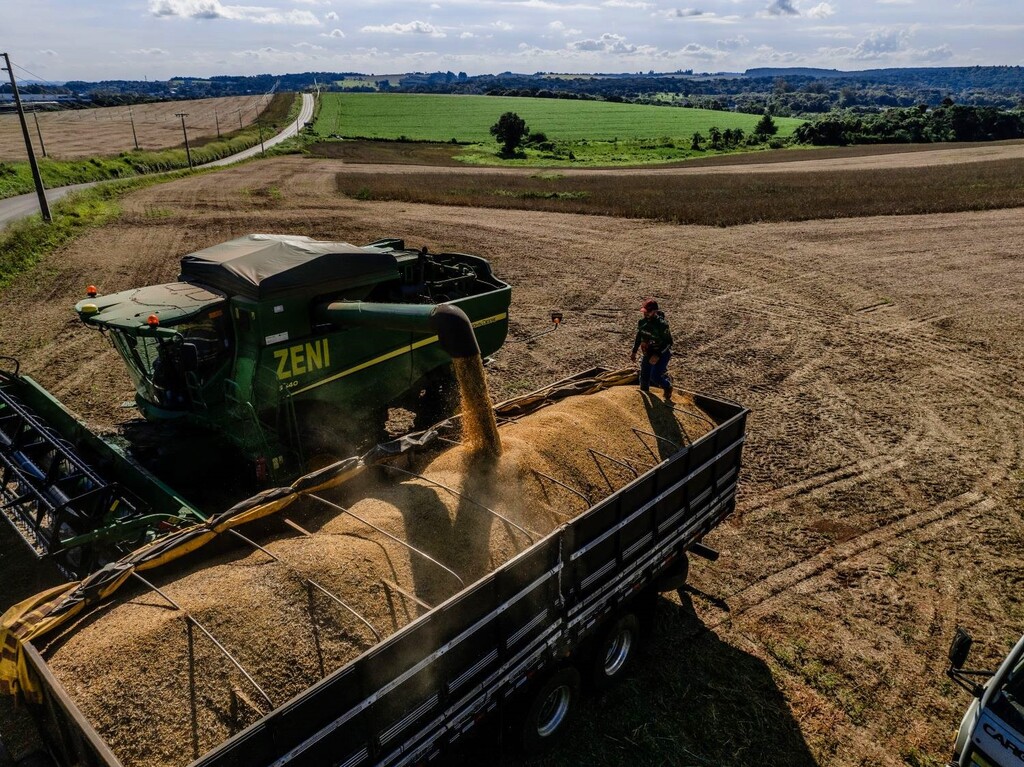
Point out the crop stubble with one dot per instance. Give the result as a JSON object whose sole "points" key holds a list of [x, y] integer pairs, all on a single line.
{"points": [[76, 133], [881, 494]]}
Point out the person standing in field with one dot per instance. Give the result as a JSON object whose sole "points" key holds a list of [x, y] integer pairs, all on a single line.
{"points": [[654, 342]]}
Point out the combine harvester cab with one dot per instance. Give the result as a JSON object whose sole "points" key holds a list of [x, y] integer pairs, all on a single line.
{"points": [[503, 629], [244, 347]]}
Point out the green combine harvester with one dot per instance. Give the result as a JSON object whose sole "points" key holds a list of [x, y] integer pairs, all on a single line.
{"points": [[270, 355]]}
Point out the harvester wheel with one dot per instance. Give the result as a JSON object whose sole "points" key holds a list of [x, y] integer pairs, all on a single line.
{"points": [[614, 651], [549, 710]]}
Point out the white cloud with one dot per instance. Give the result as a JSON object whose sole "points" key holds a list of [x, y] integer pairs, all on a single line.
{"points": [[334, 33], [545, 5], [504, 26], [880, 43], [768, 55], [890, 44], [412, 28], [214, 9], [940, 53], [697, 51], [821, 11], [732, 43], [781, 8], [466, 36], [560, 28], [625, 4], [261, 53], [150, 51], [681, 13], [49, 52], [331, 16], [308, 46], [609, 43]]}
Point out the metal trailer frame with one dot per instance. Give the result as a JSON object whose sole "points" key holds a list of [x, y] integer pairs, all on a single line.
{"points": [[407, 698]]}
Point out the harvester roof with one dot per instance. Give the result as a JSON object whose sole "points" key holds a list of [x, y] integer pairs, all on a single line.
{"points": [[262, 266]]}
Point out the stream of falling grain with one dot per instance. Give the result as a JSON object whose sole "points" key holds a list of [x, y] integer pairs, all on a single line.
{"points": [[479, 428]]}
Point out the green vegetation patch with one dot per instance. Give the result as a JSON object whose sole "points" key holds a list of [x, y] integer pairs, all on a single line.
{"points": [[423, 117], [25, 242]]}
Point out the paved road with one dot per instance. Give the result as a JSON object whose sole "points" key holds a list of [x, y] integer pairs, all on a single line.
{"points": [[14, 208], [305, 115]]}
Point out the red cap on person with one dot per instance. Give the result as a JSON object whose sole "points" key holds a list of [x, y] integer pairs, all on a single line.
{"points": [[650, 305]]}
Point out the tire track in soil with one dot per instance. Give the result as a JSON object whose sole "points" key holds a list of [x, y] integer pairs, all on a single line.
{"points": [[758, 596]]}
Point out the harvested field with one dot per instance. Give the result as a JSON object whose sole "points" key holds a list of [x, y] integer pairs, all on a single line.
{"points": [[882, 496], [288, 636], [76, 133]]}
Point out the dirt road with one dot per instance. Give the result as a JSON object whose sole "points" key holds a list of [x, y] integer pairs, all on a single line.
{"points": [[882, 492]]}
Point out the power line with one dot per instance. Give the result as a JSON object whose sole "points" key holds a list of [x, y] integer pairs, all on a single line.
{"points": [[48, 82]]}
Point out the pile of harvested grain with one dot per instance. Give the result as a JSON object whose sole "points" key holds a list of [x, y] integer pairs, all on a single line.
{"points": [[161, 693]]}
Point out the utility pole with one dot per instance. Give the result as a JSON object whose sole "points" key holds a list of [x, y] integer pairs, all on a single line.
{"points": [[239, 119], [216, 119], [188, 152], [44, 207], [131, 117], [259, 124], [39, 133]]}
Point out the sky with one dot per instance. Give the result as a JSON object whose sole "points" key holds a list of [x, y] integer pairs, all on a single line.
{"points": [[62, 40]]}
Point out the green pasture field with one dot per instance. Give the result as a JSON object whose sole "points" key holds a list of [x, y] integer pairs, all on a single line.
{"points": [[467, 119]]}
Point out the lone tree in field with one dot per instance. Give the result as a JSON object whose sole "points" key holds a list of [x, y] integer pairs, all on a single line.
{"points": [[765, 127], [510, 130]]}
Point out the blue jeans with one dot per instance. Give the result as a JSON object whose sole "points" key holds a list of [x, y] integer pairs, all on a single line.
{"points": [[655, 374]]}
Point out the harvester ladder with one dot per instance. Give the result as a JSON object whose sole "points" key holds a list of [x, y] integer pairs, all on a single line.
{"points": [[254, 430], [47, 491]]}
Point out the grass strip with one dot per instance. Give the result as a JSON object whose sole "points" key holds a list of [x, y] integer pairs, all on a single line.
{"points": [[713, 199], [16, 178], [24, 243]]}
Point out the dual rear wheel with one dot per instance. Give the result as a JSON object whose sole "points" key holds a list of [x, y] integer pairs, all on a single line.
{"points": [[552, 705]]}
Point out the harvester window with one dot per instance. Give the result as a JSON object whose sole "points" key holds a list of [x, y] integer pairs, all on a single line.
{"points": [[158, 367], [210, 333]]}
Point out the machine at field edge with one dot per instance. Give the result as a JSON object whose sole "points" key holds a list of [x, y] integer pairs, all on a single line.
{"points": [[288, 346], [283, 349]]}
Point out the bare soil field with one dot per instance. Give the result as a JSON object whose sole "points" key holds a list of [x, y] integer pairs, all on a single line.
{"points": [[78, 133], [883, 488]]}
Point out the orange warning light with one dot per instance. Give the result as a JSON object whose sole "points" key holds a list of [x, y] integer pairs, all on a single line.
{"points": [[91, 291], [152, 320]]}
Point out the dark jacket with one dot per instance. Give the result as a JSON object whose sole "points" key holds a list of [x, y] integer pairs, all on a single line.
{"points": [[653, 335]]}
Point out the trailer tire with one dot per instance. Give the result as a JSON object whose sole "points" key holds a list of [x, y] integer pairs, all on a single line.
{"points": [[674, 576], [614, 652], [548, 711]]}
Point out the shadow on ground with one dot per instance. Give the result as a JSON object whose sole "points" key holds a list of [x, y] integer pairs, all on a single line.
{"points": [[689, 699]]}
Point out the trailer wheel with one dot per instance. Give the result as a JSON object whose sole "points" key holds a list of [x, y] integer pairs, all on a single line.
{"points": [[549, 710], [615, 651], [675, 575]]}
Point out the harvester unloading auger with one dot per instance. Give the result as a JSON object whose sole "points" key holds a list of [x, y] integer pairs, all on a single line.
{"points": [[283, 347]]}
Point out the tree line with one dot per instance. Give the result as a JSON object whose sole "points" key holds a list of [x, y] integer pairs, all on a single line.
{"points": [[913, 125]]}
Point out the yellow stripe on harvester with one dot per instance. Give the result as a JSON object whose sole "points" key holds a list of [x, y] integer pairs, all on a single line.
{"points": [[392, 354]]}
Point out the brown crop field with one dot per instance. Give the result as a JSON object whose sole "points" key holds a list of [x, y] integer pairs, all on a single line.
{"points": [[882, 493], [76, 133]]}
